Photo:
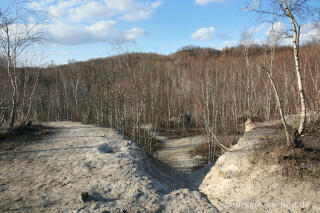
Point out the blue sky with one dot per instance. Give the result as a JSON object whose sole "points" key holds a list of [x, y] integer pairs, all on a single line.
{"points": [[85, 29]]}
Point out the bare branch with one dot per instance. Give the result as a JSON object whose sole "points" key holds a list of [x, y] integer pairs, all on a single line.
{"points": [[19, 29]]}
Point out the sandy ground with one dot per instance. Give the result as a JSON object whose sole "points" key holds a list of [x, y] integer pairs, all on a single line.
{"points": [[50, 175], [240, 181], [176, 152]]}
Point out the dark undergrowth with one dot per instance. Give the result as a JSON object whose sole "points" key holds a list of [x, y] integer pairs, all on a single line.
{"points": [[175, 133], [295, 163], [17, 137], [302, 163], [203, 149]]}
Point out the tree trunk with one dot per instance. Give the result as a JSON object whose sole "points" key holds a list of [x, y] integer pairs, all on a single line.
{"points": [[13, 112], [296, 41], [300, 88], [2, 120], [283, 120]]}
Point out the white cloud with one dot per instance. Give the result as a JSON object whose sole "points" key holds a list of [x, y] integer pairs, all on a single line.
{"points": [[132, 34], [309, 32], [89, 10], [60, 9], [140, 11], [102, 29], [60, 53], [80, 10], [277, 34], [254, 4], [203, 34], [63, 33], [258, 29], [253, 35], [278, 28], [229, 43], [205, 2], [24, 33], [86, 21]]}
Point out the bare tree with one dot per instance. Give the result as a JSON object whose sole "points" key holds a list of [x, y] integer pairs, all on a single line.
{"points": [[273, 41], [19, 29], [3, 109], [293, 13], [247, 43]]}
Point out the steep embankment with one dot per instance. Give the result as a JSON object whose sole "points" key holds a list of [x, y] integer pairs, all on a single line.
{"points": [[242, 181], [110, 172]]}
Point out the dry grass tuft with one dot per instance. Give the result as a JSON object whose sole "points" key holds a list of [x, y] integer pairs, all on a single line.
{"points": [[203, 149], [296, 164], [299, 164]]}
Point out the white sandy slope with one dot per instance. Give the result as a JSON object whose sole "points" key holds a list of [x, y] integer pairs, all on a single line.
{"points": [[49, 176], [238, 183]]}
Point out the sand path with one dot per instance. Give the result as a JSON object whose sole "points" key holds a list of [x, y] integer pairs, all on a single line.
{"points": [[50, 175]]}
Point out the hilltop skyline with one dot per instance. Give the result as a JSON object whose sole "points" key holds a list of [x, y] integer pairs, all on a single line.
{"points": [[85, 29]]}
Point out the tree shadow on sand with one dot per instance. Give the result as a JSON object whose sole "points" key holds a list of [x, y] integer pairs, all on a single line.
{"points": [[18, 137]]}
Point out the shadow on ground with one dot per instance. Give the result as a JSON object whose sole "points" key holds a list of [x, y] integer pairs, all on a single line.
{"points": [[18, 137]]}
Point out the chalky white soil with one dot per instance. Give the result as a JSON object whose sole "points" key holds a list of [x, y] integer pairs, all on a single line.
{"points": [[50, 175], [240, 181]]}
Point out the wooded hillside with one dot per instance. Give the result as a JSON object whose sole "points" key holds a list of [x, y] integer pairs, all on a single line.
{"points": [[214, 90]]}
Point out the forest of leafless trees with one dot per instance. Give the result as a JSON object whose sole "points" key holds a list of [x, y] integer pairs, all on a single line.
{"points": [[193, 91], [214, 90]]}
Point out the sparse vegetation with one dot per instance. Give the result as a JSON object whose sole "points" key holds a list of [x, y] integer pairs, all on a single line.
{"points": [[129, 90], [295, 164], [232, 130], [193, 91], [203, 149]]}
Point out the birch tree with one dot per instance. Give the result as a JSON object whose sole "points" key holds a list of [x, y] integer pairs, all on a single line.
{"points": [[19, 29], [293, 13]]}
